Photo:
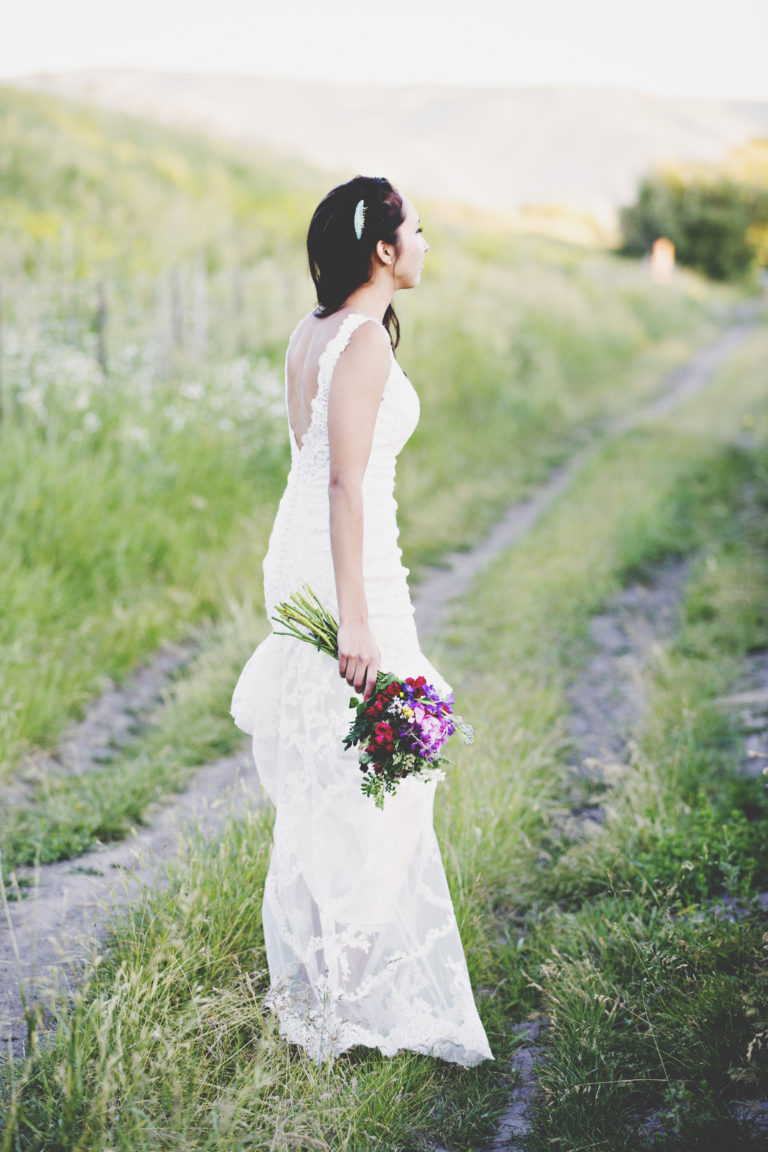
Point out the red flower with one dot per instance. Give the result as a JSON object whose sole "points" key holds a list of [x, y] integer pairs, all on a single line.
{"points": [[418, 683]]}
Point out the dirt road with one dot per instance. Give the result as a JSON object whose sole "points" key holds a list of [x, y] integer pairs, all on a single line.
{"points": [[50, 933]]}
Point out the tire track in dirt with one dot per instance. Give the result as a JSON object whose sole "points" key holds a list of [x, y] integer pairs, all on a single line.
{"points": [[443, 586], [109, 724], [53, 929], [607, 702], [49, 934]]}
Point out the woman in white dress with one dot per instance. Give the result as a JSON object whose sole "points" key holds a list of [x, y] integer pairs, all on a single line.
{"points": [[361, 937]]}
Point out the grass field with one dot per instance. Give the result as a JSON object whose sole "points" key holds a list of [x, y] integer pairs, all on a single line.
{"points": [[653, 998], [136, 505], [523, 350]]}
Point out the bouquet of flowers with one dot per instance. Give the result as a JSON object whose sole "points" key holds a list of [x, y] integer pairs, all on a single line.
{"points": [[401, 728]]}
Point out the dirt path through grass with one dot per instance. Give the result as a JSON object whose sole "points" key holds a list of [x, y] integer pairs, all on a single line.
{"points": [[445, 585], [53, 930], [607, 703], [110, 722], [50, 934]]}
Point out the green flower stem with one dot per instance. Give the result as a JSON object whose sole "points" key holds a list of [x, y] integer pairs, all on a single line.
{"points": [[306, 619]]}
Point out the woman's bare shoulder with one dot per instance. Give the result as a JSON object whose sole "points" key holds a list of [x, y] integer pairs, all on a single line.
{"points": [[367, 357], [371, 331], [369, 340]]}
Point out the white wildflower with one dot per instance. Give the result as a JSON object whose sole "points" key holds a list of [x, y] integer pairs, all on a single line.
{"points": [[34, 399], [135, 434]]}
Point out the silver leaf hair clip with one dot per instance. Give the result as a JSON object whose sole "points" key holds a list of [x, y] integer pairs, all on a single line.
{"points": [[359, 218]]}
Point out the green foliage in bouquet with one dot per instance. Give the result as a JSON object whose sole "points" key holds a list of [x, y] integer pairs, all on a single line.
{"points": [[401, 728]]}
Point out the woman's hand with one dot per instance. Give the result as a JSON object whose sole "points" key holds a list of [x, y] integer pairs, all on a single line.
{"points": [[359, 657]]}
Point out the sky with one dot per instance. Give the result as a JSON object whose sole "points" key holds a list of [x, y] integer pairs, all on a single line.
{"points": [[709, 48]]}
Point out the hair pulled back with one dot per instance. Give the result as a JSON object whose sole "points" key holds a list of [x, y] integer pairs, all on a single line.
{"points": [[339, 262]]}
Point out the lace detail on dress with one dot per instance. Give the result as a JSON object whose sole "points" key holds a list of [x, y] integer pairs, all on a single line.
{"points": [[361, 938]]}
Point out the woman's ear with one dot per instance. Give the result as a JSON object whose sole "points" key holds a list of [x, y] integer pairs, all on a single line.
{"points": [[384, 252]]}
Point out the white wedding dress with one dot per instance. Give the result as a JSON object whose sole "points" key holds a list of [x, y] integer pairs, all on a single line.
{"points": [[361, 937]]}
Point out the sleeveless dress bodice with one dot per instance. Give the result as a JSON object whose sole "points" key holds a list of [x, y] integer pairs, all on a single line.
{"points": [[300, 542], [361, 938]]}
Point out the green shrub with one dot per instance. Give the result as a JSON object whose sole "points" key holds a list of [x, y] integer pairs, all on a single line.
{"points": [[715, 222]]}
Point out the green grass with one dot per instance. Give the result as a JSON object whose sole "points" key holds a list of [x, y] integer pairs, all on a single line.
{"points": [[88, 597], [71, 812], [86, 191], [523, 356], [136, 505], [653, 995], [167, 1046], [136, 509], [113, 545]]}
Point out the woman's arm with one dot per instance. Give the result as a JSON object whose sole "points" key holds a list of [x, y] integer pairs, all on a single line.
{"points": [[353, 403]]}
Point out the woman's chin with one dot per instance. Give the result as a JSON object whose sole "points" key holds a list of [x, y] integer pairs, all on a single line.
{"points": [[410, 282]]}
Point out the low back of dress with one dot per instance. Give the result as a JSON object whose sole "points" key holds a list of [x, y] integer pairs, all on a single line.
{"points": [[300, 549]]}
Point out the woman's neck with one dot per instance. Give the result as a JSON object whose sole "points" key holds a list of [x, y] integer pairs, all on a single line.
{"points": [[371, 299]]}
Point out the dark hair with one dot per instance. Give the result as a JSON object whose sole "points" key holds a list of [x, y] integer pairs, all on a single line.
{"points": [[339, 262]]}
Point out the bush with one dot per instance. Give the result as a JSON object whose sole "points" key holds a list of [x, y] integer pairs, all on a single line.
{"points": [[715, 222]]}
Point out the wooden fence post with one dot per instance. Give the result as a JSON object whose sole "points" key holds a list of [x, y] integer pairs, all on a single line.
{"points": [[2, 374], [176, 307], [163, 339], [201, 307], [100, 324], [238, 307]]}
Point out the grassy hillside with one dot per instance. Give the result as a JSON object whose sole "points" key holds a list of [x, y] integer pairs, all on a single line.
{"points": [[85, 192], [142, 453], [143, 449], [506, 147]]}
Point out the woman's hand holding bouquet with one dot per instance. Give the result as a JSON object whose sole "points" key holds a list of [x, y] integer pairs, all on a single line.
{"points": [[400, 726]]}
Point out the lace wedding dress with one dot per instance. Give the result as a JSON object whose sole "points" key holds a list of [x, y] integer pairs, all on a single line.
{"points": [[361, 937]]}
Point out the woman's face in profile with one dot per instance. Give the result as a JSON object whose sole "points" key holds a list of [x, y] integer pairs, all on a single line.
{"points": [[411, 248]]}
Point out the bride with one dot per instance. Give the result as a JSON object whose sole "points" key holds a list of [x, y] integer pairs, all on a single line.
{"points": [[361, 937]]}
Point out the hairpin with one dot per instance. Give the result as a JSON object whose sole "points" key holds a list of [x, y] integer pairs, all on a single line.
{"points": [[359, 218]]}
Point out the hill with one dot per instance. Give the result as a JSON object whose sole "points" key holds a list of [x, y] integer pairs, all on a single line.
{"points": [[86, 188], [498, 148]]}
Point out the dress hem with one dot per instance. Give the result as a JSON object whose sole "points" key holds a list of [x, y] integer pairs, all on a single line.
{"points": [[439, 1048]]}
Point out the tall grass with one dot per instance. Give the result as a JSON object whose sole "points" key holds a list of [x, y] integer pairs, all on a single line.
{"points": [[656, 998], [86, 191], [168, 1047], [136, 508], [136, 504]]}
